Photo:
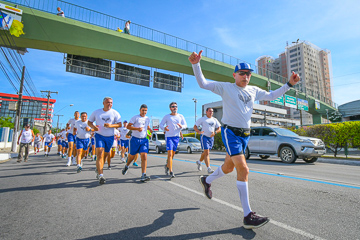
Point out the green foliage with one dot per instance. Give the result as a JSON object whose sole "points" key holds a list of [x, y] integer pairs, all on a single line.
{"points": [[335, 116], [6, 122], [35, 130], [334, 135]]}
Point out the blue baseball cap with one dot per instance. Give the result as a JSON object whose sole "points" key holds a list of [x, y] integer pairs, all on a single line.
{"points": [[125, 121], [243, 66]]}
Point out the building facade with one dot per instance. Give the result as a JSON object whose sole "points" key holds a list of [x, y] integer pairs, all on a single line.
{"points": [[33, 110]]}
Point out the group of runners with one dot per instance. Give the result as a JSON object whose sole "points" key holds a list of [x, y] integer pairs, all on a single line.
{"points": [[104, 127]]}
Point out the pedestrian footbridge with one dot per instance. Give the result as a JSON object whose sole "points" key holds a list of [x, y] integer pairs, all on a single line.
{"points": [[89, 33]]}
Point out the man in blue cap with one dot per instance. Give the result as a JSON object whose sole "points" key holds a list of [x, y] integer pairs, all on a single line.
{"points": [[238, 99]]}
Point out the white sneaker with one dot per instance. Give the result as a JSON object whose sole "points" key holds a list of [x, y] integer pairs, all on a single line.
{"points": [[123, 160], [199, 167], [68, 163], [210, 170]]}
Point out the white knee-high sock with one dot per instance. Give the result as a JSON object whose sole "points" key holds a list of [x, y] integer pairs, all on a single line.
{"points": [[244, 196], [215, 175]]}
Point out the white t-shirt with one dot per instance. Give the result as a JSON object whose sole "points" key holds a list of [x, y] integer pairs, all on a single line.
{"points": [[26, 136], [139, 121], [209, 125], [237, 102], [117, 133], [71, 123], [123, 132], [81, 129], [171, 122], [101, 117], [48, 137]]}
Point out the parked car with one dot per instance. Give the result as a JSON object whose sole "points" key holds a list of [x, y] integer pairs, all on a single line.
{"points": [[190, 145], [283, 143], [157, 142]]}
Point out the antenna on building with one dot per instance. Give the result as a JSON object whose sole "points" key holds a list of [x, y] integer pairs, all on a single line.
{"points": [[287, 43]]}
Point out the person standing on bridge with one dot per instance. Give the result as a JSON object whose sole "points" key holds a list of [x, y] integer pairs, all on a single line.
{"points": [[107, 119], [60, 12], [172, 124], [127, 27], [238, 100], [210, 126], [139, 124]]}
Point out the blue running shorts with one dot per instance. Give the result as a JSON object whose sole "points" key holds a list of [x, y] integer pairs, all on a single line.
{"points": [[234, 145], [172, 143], [206, 142], [48, 144], [71, 137], [124, 143], [104, 142], [138, 145], [59, 142], [82, 143]]}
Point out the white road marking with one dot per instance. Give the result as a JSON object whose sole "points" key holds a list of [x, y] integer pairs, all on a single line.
{"points": [[272, 221]]}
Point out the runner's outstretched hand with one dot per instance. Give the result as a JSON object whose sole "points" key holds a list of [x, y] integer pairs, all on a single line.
{"points": [[195, 58]]}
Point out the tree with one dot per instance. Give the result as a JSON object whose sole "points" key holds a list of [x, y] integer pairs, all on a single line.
{"points": [[335, 116], [6, 122]]}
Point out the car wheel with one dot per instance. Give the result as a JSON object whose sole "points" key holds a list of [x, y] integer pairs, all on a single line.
{"points": [[189, 150], [264, 156], [287, 155], [247, 153], [158, 150], [310, 160]]}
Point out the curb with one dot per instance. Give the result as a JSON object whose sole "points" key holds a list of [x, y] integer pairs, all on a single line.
{"points": [[8, 156]]}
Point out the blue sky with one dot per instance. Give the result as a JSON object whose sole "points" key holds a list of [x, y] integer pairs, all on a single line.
{"points": [[243, 29]]}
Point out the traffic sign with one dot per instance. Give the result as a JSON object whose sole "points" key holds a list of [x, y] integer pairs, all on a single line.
{"points": [[290, 101]]}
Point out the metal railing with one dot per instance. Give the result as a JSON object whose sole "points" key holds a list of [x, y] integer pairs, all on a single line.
{"points": [[93, 17]]}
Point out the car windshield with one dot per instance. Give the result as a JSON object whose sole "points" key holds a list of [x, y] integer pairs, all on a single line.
{"points": [[285, 132], [161, 136], [193, 140]]}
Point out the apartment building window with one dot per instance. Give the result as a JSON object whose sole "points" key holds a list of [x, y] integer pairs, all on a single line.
{"points": [[293, 60], [293, 55]]}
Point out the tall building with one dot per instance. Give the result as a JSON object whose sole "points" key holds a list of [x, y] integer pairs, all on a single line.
{"points": [[312, 63], [33, 110]]}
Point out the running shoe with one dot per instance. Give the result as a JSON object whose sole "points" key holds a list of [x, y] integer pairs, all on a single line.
{"points": [[210, 171], [166, 170], [252, 221], [68, 163], [122, 160], [144, 178], [97, 174], [206, 186], [102, 180], [124, 171], [19, 161], [199, 167], [172, 175], [79, 169], [135, 164], [109, 167]]}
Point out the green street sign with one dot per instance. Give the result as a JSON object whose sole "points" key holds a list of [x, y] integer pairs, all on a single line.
{"points": [[290, 101], [279, 100], [303, 104]]}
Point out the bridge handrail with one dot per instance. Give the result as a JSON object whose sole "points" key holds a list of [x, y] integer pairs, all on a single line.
{"points": [[93, 17]]}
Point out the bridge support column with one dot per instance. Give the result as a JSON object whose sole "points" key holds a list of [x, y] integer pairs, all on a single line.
{"points": [[316, 118]]}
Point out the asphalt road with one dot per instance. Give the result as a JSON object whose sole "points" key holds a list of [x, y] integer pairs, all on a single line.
{"points": [[43, 199]]}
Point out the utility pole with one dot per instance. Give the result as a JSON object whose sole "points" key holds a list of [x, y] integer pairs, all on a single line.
{"points": [[195, 101], [265, 118], [47, 108], [18, 112], [57, 125]]}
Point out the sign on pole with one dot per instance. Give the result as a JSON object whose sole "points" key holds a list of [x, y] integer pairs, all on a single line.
{"points": [[279, 100], [303, 104], [290, 101], [155, 124], [317, 104]]}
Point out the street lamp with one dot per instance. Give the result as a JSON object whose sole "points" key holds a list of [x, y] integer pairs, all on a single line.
{"points": [[195, 101], [57, 125]]}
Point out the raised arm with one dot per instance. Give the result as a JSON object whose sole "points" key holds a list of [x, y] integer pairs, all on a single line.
{"points": [[195, 61]]}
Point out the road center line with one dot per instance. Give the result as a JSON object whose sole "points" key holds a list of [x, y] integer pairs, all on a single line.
{"points": [[276, 223], [277, 175]]}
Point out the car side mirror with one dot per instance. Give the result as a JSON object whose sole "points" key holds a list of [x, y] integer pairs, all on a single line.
{"points": [[272, 134]]}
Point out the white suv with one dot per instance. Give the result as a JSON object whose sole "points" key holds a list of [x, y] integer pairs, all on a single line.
{"points": [[283, 143]]}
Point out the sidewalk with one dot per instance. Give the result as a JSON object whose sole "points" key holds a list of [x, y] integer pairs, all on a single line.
{"points": [[6, 154]]}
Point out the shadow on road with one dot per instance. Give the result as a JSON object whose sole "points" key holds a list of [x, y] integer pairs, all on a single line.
{"points": [[166, 220]]}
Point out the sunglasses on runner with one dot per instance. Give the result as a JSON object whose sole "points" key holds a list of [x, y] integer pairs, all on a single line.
{"points": [[173, 106], [242, 73]]}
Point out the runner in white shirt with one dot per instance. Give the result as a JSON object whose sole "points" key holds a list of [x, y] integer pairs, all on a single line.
{"points": [[72, 138], [238, 99], [139, 124], [37, 143], [65, 143], [172, 125], [210, 127], [25, 139], [48, 139], [107, 120], [124, 141], [83, 133], [58, 141]]}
